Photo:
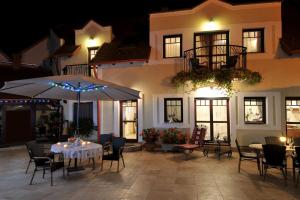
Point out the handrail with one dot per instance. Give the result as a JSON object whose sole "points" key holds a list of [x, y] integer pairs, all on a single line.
{"points": [[216, 57], [78, 69]]}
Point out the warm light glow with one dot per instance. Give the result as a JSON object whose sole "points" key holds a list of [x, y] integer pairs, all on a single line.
{"points": [[210, 92], [282, 139], [210, 26], [93, 42], [58, 143], [65, 145]]}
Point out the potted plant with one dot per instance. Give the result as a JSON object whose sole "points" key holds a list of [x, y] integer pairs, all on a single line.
{"points": [[150, 136], [171, 137]]}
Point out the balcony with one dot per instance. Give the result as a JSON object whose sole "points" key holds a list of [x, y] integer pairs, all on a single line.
{"points": [[215, 57], [80, 69]]}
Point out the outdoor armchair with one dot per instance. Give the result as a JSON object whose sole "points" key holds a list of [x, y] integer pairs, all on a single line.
{"points": [[118, 144], [43, 162], [296, 164], [249, 156], [274, 157]]}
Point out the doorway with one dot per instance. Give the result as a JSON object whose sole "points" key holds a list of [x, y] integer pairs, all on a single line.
{"points": [[214, 114], [129, 119], [212, 48], [18, 124]]}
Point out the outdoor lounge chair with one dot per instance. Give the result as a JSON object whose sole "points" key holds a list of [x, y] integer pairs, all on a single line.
{"points": [[196, 141], [118, 144]]}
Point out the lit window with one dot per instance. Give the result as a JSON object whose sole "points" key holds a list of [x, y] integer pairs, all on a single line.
{"points": [[254, 40], [255, 110], [172, 46], [173, 110], [92, 52]]}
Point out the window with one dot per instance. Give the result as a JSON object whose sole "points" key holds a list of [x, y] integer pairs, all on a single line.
{"points": [[173, 110], [292, 116], [172, 46], [214, 114], [85, 111], [255, 110], [129, 120], [92, 52], [253, 39]]}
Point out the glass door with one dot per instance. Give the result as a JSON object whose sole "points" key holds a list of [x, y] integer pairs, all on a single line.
{"points": [[292, 105], [129, 127], [214, 114], [212, 47]]}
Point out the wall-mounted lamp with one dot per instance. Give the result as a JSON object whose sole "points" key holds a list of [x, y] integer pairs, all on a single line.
{"points": [[210, 25], [91, 42]]}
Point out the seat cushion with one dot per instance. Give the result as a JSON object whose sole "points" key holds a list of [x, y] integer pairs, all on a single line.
{"points": [[249, 154]]}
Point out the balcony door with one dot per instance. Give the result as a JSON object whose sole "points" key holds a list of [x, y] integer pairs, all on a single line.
{"points": [[211, 48], [129, 119], [214, 114]]}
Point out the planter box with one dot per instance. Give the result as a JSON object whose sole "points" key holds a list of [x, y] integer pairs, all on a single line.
{"points": [[149, 146]]}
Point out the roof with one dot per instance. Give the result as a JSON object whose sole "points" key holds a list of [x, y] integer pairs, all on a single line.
{"points": [[115, 52], [195, 4], [66, 50]]}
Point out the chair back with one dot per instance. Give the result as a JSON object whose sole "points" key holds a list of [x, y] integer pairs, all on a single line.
{"points": [[198, 136], [297, 151], [35, 149], [296, 142], [275, 155], [117, 144], [238, 146], [106, 138], [273, 140]]}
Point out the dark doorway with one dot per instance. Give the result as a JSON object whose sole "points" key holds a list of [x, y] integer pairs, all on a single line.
{"points": [[18, 126]]}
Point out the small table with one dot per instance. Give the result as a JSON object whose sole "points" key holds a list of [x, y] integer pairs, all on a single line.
{"points": [[217, 144], [71, 151]]}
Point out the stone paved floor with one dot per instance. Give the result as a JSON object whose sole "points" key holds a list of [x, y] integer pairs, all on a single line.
{"points": [[146, 176]]}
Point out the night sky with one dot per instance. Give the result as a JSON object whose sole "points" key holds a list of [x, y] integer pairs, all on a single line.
{"points": [[27, 21]]}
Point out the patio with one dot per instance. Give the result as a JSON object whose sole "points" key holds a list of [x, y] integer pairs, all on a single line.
{"points": [[146, 176]]}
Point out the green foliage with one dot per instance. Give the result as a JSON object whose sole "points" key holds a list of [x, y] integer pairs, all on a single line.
{"points": [[172, 136], [222, 78]]}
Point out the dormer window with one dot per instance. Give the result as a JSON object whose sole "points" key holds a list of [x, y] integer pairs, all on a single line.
{"points": [[92, 53]]}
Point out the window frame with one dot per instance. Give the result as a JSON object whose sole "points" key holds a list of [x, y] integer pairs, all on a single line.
{"points": [[164, 44], [262, 30], [264, 100], [89, 52], [165, 109]]}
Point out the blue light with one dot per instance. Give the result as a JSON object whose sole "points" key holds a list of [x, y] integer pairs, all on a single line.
{"points": [[67, 86]]}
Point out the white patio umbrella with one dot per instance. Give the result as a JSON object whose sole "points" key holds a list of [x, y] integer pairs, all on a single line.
{"points": [[70, 87]]}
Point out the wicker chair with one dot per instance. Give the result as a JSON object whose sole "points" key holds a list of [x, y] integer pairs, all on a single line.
{"points": [[117, 152]]}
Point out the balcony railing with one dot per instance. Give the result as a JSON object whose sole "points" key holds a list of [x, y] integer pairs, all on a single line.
{"points": [[80, 69], [216, 57]]}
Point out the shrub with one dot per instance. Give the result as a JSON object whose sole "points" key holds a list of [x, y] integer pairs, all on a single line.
{"points": [[172, 136]]}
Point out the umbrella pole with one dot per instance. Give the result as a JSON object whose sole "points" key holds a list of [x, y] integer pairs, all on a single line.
{"points": [[77, 122]]}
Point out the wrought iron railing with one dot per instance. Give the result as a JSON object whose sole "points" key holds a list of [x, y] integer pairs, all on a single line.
{"points": [[80, 69], [216, 57]]}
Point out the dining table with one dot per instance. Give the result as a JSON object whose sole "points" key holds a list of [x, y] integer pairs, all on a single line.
{"points": [[83, 150]]}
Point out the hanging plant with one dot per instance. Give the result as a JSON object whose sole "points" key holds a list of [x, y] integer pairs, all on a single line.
{"points": [[222, 78]]}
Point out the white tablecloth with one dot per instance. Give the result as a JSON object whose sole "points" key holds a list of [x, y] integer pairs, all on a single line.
{"points": [[260, 147], [80, 152]]}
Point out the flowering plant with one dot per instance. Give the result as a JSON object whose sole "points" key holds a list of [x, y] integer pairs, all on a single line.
{"points": [[150, 134], [172, 136]]}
